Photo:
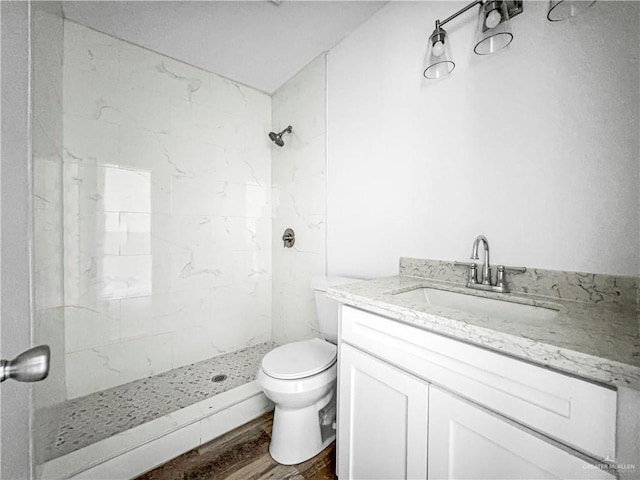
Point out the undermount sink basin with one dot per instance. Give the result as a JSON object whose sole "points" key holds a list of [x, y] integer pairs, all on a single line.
{"points": [[475, 305]]}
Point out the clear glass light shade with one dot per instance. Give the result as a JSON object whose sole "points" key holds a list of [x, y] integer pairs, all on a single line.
{"points": [[438, 62], [493, 32], [564, 9]]}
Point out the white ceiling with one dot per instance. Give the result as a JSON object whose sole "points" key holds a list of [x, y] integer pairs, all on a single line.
{"points": [[258, 43]]}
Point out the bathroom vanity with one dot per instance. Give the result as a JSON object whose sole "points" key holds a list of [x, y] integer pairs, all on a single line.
{"points": [[435, 381]]}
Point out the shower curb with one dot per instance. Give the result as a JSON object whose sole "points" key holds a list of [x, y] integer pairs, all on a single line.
{"points": [[133, 452]]}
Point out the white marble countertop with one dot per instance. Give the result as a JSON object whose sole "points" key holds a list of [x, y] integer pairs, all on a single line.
{"points": [[596, 342]]}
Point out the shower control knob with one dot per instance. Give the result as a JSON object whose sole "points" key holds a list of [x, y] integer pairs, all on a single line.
{"points": [[29, 366], [289, 238]]}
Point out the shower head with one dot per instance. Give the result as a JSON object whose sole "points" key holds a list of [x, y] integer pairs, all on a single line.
{"points": [[277, 137]]}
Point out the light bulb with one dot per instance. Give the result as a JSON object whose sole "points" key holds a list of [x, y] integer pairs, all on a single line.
{"points": [[438, 49], [493, 19]]}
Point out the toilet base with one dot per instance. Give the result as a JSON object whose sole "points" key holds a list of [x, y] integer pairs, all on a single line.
{"points": [[297, 433]]}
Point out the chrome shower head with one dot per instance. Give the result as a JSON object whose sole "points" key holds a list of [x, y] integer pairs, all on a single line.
{"points": [[277, 137]]}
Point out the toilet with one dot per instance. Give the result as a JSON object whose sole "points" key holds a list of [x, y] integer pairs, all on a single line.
{"points": [[300, 379]]}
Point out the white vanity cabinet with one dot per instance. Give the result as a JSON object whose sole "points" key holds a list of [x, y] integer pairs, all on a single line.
{"points": [[384, 432], [413, 404], [466, 441]]}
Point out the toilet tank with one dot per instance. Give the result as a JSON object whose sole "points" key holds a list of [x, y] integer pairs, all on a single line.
{"points": [[327, 308]]}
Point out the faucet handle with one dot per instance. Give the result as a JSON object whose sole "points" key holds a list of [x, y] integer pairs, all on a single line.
{"points": [[464, 264], [513, 269], [501, 282], [473, 271]]}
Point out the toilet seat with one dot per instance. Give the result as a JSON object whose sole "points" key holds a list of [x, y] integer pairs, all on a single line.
{"points": [[299, 359]]}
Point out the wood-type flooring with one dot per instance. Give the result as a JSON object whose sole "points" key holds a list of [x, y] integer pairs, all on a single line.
{"points": [[243, 454]]}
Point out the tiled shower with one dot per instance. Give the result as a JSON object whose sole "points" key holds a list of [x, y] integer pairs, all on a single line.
{"points": [[155, 219]]}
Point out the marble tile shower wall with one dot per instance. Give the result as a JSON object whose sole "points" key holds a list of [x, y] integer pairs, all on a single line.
{"points": [[167, 213], [299, 201]]}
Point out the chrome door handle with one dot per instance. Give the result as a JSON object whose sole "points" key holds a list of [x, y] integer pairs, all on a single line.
{"points": [[29, 366]]}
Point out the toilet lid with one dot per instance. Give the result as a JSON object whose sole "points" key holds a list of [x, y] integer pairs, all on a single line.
{"points": [[299, 359]]}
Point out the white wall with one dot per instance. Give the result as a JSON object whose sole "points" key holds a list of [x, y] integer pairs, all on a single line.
{"points": [[299, 201], [167, 213], [536, 147], [15, 235]]}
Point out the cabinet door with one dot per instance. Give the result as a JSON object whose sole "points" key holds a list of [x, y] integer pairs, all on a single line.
{"points": [[468, 442], [382, 420]]}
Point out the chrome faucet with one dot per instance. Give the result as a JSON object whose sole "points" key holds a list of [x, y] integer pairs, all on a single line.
{"points": [[486, 268], [501, 283]]}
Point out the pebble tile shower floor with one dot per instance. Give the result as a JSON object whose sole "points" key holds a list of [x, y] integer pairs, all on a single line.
{"points": [[89, 419]]}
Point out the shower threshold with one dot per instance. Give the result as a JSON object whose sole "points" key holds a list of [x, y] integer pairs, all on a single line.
{"points": [[96, 429]]}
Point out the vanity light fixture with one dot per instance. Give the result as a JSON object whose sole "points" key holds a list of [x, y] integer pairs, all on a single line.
{"points": [[493, 34], [438, 61], [564, 9]]}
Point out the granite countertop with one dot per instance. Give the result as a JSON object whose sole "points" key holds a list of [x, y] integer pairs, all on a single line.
{"points": [[599, 342]]}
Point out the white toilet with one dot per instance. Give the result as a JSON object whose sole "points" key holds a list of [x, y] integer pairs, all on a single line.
{"points": [[300, 379]]}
